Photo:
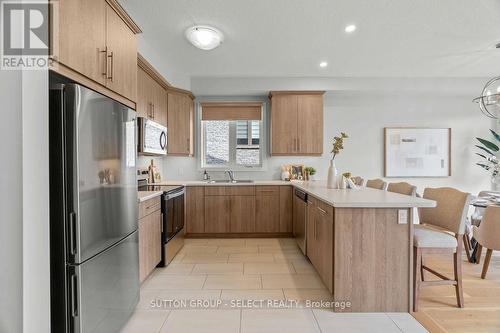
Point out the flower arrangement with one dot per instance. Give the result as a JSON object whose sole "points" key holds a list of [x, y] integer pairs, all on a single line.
{"points": [[491, 163], [338, 144]]}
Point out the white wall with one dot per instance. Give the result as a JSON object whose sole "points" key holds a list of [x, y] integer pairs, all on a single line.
{"points": [[364, 113], [162, 64], [11, 224]]}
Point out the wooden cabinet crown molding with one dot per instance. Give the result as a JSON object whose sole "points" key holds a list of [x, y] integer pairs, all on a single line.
{"points": [[151, 71], [296, 92], [124, 16]]}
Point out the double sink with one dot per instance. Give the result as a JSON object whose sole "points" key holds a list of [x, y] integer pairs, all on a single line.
{"points": [[231, 179], [228, 181]]}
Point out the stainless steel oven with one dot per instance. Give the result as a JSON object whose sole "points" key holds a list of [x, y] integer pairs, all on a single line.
{"points": [[173, 224], [152, 137]]}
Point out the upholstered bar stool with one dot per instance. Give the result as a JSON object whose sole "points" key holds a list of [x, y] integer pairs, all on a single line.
{"points": [[378, 184], [440, 232], [358, 181], [488, 235], [402, 188]]}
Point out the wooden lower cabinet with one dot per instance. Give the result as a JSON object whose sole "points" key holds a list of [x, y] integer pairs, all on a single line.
{"points": [[242, 214], [320, 239], [217, 214], [286, 209], [239, 210], [195, 210], [267, 203], [149, 243]]}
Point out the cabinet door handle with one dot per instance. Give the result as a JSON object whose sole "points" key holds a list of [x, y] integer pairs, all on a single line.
{"points": [[111, 57], [298, 144], [154, 113], [321, 210], [105, 64], [188, 144], [150, 110], [316, 229]]}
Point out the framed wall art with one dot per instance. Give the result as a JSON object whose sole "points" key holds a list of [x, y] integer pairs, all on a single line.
{"points": [[417, 152]]}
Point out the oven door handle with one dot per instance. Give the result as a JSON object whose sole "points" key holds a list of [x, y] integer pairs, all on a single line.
{"points": [[175, 195]]}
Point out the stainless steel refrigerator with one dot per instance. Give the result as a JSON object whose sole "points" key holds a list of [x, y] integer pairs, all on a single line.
{"points": [[93, 210]]}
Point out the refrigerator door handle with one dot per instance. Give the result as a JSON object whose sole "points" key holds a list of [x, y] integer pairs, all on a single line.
{"points": [[74, 295], [72, 233]]}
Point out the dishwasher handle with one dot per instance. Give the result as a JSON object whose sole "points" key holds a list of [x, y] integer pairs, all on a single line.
{"points": [[301, 195]]}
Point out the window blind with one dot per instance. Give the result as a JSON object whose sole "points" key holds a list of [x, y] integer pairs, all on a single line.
{"points": [[231, 111]]}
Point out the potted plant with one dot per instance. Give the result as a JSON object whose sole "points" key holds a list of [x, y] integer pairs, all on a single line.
{"points": [[488, 152], [310, 172], [333, 174]]}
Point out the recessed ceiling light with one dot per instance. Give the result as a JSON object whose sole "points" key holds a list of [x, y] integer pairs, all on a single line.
{"points": [[350, 28], [323, 64], [204, 37]]}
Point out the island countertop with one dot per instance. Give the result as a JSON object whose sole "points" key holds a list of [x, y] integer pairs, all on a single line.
{"points": [[360, 198]]}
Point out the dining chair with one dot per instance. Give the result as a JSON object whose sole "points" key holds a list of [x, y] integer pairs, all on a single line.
{"points": [[474, 220], [440, 232], [378, 184], [358, 180], [402, 188], [488, 236]]}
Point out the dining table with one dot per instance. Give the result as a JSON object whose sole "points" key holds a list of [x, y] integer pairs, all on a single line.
{"points": [[492, 199]]}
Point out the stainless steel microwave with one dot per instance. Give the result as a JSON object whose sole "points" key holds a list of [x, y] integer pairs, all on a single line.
{"points": [[152, 137]]}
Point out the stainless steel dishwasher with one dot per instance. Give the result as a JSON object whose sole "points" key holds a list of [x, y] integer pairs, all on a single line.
{"points": [[299, 218]]}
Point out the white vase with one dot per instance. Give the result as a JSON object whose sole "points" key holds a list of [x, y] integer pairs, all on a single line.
{"points": [[333, 176], [342, 183]]}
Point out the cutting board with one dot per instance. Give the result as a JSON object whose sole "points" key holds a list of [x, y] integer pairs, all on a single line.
{"points": [[154, 173]]}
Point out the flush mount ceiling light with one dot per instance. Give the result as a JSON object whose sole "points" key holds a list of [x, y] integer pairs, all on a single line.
{"points": [[323, 64], [350, 28], [204, 37]]}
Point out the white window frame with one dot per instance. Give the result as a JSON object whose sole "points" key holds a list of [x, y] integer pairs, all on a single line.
{"points": [[232, 165]]}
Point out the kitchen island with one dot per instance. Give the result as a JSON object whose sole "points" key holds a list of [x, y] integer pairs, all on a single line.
{"points": [[359, 241]]}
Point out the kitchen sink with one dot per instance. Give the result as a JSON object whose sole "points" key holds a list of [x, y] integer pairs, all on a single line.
{"points": [[227, 181]]}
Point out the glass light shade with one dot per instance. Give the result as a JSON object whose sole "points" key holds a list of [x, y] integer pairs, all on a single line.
{"points": [[204, 37], [489, 101]]}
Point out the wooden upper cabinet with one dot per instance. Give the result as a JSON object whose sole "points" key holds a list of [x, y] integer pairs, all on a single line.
{"points": [[121, 56], [284, 124], [144, 94], [95, 45], [80, 40], [310, 124], [296, 122], [151, 98], [180, 124]]}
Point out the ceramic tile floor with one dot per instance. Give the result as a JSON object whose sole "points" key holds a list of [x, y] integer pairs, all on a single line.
{"points": [[208, 286]]}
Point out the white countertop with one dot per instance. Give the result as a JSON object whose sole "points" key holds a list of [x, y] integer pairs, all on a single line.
{"points": [[361, 198], [146, 195], [205, 183]]}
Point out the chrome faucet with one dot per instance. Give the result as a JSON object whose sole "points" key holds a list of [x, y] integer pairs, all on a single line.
{"points": [[231, 175]]}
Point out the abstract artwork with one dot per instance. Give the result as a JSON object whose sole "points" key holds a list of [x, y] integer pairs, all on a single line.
{"points": [[417, 152]]}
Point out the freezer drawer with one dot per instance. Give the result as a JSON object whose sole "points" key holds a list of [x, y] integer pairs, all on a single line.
{"points": [[105, 289]]}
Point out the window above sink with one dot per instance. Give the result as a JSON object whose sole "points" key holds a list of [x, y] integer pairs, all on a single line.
{"points": [[231, 136]]}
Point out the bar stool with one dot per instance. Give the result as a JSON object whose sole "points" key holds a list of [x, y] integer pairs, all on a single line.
{"points": [[378, 184], [402, 188], [441, 232], [358, 180]]}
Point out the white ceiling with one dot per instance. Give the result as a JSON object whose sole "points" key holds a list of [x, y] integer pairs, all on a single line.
{"points": [[288, 38]]}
